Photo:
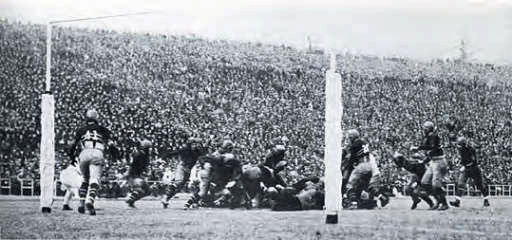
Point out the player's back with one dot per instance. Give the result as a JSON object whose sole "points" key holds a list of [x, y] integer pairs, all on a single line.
{"points": [[93, 136]]}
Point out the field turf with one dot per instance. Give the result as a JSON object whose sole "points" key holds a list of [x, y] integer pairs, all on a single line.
{"points": [[20, 217]]}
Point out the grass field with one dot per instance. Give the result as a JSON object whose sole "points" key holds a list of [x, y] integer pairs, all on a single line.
{"points": [[20, 218]]}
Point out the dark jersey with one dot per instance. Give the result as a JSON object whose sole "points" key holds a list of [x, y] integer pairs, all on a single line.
{"points": [[189, 156], [415, 168], [139, 164], [468, 156], [274, 156], [431, 144], [91, 136], [358, 149], [269, 178]]}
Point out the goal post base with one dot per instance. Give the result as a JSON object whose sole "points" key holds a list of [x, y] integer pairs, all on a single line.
{"points": [[331, 218]]}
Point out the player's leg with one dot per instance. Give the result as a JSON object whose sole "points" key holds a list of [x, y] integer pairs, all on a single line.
{"points": [[410, 189], [375, 186], [426, 186], [354, 185], [205, 176], [139, 190], [439, 171], [460, 187], [182, 174], [476, 174], [95, 169], [344, 181], [84, 187], [67, 198]]}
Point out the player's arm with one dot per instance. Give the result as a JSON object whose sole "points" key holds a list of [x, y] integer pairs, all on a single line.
{"points": [[432, 143]]}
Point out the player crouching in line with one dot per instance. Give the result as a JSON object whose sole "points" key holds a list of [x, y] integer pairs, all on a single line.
{"points": [[259, 179], [469, 169], [136, 171], [70, 179], [366, 174], [416, 170], [93, 140], [306, 194]]}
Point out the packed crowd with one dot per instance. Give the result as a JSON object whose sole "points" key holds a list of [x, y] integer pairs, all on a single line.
{"points": [[165, 87]]}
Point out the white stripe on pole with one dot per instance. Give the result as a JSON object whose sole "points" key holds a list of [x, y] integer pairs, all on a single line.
{"points": [[333, 141]]}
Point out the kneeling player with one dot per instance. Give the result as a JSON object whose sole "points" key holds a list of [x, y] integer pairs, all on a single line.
{"points": [[469, 169], [135, 173]]}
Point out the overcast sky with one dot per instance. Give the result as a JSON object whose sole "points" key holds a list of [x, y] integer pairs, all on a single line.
{"points": [[421, 29]]}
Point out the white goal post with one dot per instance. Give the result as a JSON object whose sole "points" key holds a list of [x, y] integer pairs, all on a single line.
{"points": [[333, 142]]}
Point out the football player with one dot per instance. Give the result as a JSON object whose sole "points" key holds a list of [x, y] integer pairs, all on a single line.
{"points": [[93, 139], [306, 194], [222, 171], [258, 179], [188, 157], [137, 170], [437, 166], [469, 169], [366, 174]]}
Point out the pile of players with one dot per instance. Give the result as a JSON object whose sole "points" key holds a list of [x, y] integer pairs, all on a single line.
{"points": [[224, 182]]}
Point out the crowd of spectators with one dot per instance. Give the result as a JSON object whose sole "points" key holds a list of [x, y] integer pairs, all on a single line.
{"points": [[166, 87]]}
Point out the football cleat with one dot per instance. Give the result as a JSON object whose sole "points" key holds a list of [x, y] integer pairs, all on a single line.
{"points": [[486, 203], [66, 207], [455, 203], [81, 209], [130, 203], [415, 203], [165, 205], [90, 208], [384, 200]]}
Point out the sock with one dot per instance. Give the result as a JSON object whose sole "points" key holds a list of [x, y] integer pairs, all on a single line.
{"points": [[194, 199], [93, 190], [82, 193], [170, 192], [67, 197]]}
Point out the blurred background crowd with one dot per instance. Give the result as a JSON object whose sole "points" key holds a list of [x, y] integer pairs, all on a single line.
{"points": [[166, 88]]}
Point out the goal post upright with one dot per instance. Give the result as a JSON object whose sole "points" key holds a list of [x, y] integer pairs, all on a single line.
{"points": [[47, 147], [333, 142]]}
